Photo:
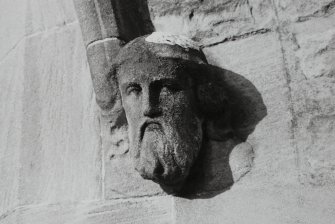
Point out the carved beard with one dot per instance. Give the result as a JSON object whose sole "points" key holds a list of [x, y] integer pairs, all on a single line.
{"points": [[165, 153]]}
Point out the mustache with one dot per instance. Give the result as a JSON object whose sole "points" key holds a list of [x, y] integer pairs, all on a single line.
{"points": [[167, 171], [146, 123]]}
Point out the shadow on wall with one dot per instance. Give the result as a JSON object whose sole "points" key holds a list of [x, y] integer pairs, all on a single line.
{"points": [[225, 157]]}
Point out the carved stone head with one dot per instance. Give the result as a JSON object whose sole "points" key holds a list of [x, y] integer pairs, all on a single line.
{"points": [[167, 98], [180, 124]]}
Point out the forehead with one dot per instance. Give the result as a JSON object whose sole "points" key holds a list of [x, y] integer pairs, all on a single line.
{"points": [[150, 71]]}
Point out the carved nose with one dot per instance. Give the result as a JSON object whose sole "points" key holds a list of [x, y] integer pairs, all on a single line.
{"points": [[150, 106], [152, 112]]}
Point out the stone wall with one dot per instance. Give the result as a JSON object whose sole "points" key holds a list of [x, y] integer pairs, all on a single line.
{"points": [[52, 163]]}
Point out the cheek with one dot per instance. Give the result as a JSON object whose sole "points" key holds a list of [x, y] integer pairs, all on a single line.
{"points": [[132, 108], [177, 104], [130, 103]]}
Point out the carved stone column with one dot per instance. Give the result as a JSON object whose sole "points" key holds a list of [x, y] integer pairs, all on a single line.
{"points": [[106, 25]]}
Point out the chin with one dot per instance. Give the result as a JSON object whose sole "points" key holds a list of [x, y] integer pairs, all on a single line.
{"points": [[165, 153], [164, 162], [170, 178]]}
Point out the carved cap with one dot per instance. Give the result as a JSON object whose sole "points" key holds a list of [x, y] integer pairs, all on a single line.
{"points": [[161, 45], [223, 95], [171, 39]]}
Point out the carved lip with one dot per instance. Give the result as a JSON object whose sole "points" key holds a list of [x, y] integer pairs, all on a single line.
{"points": [[147, 123]]}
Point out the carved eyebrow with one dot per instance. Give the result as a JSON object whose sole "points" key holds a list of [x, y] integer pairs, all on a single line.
{"points": [[130, 84], [170, 83]]}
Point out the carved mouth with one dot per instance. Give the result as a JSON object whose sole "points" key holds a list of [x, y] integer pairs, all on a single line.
{"points": [[164, 169], [150, 125]]}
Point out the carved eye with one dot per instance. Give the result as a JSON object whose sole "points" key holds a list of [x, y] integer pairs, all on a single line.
{"points": [[172, 86], [133, 88]]}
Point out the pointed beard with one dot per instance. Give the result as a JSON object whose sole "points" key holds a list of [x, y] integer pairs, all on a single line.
{"points": [[166, 154]]}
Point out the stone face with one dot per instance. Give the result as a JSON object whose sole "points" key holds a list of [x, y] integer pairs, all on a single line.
{"points": [[209, 119], [164, 128], [163, 110], [167, 160]]}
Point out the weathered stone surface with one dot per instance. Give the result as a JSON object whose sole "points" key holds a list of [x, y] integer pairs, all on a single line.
{"points": [[244, 204], [106, 26], [144, 210], [50, 149], [124, 19], [241, 160], [21, 19], [212, 21], [47, 143], [294, 143], [97, 20], [100, 55], [12, 27], [315, 100], [259, 59], [168, 155], [41, 15], [120, 178], [303, 10], [316, 51], [309, 46], [60, 155], [11, 105], [315, 130]]}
